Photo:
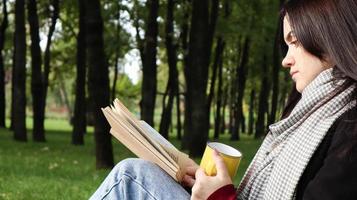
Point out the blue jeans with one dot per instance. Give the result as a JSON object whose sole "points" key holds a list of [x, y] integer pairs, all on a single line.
{"points": [[139, 179]]}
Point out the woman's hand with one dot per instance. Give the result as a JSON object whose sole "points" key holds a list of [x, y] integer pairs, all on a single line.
{"points": [[205, 185], [189, 177]]}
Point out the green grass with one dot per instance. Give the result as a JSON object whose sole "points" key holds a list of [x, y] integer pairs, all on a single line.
{"points": [[58, 170]]}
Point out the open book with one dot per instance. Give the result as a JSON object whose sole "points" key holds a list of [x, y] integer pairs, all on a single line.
{"points": [[144, 141]]}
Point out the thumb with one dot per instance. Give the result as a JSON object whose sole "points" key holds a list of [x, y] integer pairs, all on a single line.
{"points": [[220, 165]]}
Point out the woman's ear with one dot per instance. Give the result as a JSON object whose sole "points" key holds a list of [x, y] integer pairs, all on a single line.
{"points": [[327, 62]]}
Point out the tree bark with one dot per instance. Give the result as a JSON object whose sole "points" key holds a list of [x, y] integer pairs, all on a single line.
{"points": [[196, 74], [251, 112], [116, 70], [184, 46], [148, 89], [218, 56], [139, 40], [19, 74], [275, 73], [178, 112], [98, 82], [79, 118], [224, 106], [263, 102], [275, 77], [37, 88], [3, 27], [172, 85], [185, 31], [218, 117], [47, 59], [242, 77]]}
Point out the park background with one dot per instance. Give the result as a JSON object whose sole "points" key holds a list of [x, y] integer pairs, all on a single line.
{"points": [[195, 70]]}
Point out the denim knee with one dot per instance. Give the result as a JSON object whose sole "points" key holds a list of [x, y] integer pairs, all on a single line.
{"points": [[133, 166]]}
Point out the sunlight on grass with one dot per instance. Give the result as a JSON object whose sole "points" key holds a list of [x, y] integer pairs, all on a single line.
{"points": [[58, 170]]}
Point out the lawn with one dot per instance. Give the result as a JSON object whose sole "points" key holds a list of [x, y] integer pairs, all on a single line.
{"points": [[58, 170]]}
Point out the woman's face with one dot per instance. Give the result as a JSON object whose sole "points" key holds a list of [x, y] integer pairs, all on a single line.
{"points": [[304, 67]]}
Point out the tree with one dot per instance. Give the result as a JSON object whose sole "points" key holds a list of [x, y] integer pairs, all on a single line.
{"points": [[148, 89], [47, 57], [117, 52], [196, 75], [251, 112], [98, 83], [184, 31], [260, 127], [172, 85], [79, 118], [3, 27], [218, 117], [216, 64], [19, 74], [36, 74], [242, 77]]}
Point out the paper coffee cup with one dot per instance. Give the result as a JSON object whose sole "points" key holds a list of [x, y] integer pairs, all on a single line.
{"points": [[230, 155]]}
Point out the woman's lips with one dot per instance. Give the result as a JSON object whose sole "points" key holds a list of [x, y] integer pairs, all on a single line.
{"points": [[293, 73]]}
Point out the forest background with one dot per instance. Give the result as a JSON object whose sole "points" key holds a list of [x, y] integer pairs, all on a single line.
{"points": [[195, 70]]}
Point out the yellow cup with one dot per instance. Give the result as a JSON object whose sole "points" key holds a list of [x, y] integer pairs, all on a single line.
{"points": [[230, 155]]}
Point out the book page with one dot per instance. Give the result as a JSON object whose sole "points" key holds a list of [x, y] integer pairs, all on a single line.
{"points": [[174, 153], [145, 141], [156, 135], [135, 123], [140, 150], [131, 134]]}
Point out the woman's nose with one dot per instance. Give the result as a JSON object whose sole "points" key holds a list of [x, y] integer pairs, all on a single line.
{"points": [[288, 61]]}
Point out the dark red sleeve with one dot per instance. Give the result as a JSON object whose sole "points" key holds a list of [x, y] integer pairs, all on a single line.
{"points": [[227, 192]]}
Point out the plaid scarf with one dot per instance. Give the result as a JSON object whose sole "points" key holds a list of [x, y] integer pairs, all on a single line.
{"points": [[285, 152]]}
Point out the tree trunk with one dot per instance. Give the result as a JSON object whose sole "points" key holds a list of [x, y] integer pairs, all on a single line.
{"points": [[47, 59], [148, 89], [64, 95], [218, 56], [139, 40], [184, 32], [231, 103], [3, 28], [178, 112], [219, 52], [242, 77], [196, 74], [275, 77], [98, 82], [218, 117], [263, 102], [284, 91], [38, 133], [116, 70], [165, 122], [242, 124], [224, 106], [172, 85], [251, 112], [79, 118], [19, 74], [184, 46]]}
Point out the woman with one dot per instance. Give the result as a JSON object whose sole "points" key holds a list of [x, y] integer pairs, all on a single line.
{"points": [[311, 153]]}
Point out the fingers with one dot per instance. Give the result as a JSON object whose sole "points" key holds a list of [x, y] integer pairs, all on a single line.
{"points": [[191, 170], [200, 173], [220, 165], [188, 181]]}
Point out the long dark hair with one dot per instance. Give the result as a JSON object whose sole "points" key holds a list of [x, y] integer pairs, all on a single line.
{"points": [[326, 29]]}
